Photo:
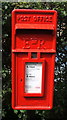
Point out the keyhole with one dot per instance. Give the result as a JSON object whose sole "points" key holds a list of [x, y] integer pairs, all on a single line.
{"points": [[21, 80]]}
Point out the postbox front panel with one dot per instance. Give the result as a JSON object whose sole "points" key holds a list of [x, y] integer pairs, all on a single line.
{"points": [[33, 58]]}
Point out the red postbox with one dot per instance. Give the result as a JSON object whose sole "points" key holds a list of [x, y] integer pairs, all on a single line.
{"points": [[33, 58]]}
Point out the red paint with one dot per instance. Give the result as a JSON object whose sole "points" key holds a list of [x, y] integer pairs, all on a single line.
{"points": [[33, 31]]}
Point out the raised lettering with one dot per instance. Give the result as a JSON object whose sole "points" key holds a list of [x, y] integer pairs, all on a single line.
{"points": [[43, 19], [47, 19], [50, 18], [23, 18], [27, 44], [35, 19], [41, 43], [34, 42]]}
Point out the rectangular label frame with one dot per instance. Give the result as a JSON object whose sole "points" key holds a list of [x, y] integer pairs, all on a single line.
{"points": [[43, 77]]}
